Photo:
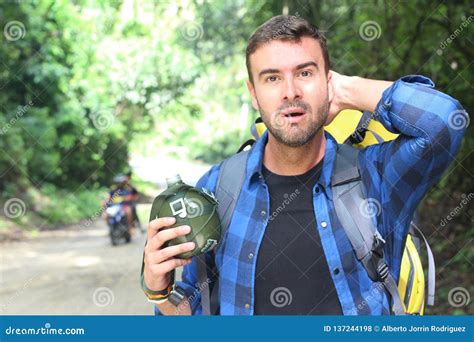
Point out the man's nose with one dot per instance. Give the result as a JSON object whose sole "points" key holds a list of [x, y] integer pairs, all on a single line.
{"points": [[291, 90]]}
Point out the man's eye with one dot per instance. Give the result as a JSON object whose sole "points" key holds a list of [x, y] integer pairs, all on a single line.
{"points": [[306, 73], [271, 78]]}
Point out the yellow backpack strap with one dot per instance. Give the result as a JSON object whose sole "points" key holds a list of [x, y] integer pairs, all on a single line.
{"points": [[411, 281], [431, 266]]}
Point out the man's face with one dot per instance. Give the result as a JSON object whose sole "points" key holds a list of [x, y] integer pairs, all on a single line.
{"points": [[290, 89]]}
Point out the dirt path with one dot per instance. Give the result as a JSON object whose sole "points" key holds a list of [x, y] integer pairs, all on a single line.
{"points": [[72, 271], [76, 270]]}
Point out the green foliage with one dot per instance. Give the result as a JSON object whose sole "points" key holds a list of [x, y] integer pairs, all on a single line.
{"points": [[89, 78], [64, 207], [88, 83]]}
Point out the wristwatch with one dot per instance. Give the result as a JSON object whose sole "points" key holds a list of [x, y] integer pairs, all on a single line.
{"points": [[176, 295], [173, 293]]}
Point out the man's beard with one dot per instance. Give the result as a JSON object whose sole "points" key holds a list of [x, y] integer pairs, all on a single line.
{"points": [[293, 135]]}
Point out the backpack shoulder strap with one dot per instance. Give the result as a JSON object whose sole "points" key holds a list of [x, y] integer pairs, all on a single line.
{"points": [[229, 183], [350, 202], [360, 131]]}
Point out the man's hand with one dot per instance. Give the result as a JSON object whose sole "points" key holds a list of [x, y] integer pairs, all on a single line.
{"points": [[159, 261], [352, 92], [338, 84]]}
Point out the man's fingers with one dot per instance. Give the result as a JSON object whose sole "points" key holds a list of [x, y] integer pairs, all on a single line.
{"points": [[162, 255], [171, 264], [172, 251], [167, 234], [155, 225]]}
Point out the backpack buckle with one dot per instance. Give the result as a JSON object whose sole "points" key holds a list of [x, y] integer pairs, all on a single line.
{"points": [[357, 136], [378, 244]]}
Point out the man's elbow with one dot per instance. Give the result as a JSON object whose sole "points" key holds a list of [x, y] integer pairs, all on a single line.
{"points": [[449, 129]]}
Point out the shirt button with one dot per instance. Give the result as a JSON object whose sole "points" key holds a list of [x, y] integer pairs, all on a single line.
{"points": [[324, 224], [317, 189], [247, 306], [263, 212], [336, 271], [250, 255]]}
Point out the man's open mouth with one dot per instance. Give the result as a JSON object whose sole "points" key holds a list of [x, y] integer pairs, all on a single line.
{"points": [[293, 112]]}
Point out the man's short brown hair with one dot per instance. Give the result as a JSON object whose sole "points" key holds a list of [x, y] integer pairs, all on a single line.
{"points": [[285, 28]]}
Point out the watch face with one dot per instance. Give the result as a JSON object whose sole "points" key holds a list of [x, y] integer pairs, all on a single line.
{"points": [[176, 296]]}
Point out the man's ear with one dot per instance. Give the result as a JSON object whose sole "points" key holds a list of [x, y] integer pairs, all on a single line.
{"points": [[330, 89], [251, 89]]}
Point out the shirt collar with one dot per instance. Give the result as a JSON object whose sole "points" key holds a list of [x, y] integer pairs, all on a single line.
{"points": [[255, 160]]}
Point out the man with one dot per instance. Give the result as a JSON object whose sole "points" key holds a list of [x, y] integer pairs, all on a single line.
{"points": [[123, 193], [133, 201], [300, 261]]}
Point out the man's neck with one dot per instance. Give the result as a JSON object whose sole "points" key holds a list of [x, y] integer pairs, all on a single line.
{"points": [[290, 161]]}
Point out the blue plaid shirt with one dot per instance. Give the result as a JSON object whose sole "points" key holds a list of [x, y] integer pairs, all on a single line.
{"points": [[396, 174]]}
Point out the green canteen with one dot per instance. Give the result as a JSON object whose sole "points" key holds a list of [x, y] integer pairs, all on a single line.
{"points": [[192, 207]]}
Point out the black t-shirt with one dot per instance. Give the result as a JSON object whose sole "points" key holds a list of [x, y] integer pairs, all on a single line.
{"points": [[292, 276]]}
